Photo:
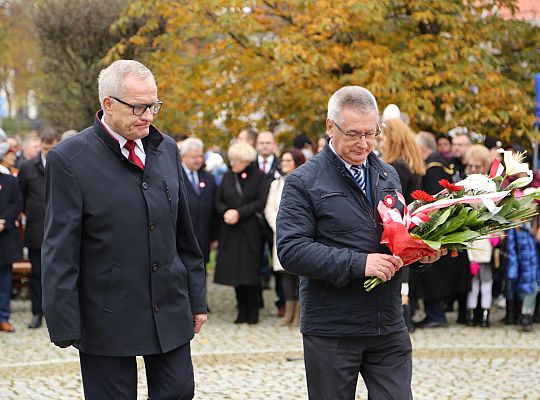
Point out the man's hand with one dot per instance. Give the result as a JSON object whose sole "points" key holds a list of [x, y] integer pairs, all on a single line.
{"points": [[231, 217], [432, 259], [2, 224], [64, 344], [382, 266], [198, 321]]}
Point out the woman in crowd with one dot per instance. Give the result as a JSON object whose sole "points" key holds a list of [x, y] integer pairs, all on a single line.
{"points": [[478, 161], [399, 149], [240, 201], [8, 161], [290, 159], [11, 203]]}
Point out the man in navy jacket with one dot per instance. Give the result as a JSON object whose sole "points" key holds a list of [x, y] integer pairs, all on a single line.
{"points": [[200, 190], [123, 274], [328, 232]]}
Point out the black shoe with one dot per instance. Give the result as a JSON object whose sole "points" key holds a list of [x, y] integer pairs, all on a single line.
{"points": [[242, 314], [36, 321], [526, 322], [470, 317], [484, 322], [431, 324], [253, 314]]}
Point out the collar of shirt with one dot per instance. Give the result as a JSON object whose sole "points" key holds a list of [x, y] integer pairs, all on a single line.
{"points": [[43, 160], [365, 163], [122, 140], [269, 161], [188, 173]]}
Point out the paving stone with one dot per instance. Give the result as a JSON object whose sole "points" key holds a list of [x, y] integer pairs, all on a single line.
{"points": [[264, 361]]}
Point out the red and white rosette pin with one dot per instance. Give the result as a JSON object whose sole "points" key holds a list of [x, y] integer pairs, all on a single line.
{"points": [[389, 201], [202, 185]]}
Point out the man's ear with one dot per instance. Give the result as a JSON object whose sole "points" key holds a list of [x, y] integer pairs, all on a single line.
{"points": [[329, 126], [107, 104]]}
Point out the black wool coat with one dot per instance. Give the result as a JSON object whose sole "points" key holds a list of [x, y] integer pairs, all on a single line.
{"points": [[32, 183], [240, 245], [122, 271], [448, 274], [11, 203], [202, 210]]}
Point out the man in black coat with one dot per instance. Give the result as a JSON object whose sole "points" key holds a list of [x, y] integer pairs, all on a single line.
{"points": [[328, 232], [268, 163], [435, 284], [32, 183], [10, 245], [123, 274], [200, 190]]}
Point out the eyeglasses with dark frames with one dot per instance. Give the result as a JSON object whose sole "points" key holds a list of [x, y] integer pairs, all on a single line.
{"points": [[370, 135], [140, 109]]}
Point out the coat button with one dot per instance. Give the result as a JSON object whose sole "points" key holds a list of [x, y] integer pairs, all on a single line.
{"points": [[156, 308], [152, 226], [155, 267], [145, 186]]}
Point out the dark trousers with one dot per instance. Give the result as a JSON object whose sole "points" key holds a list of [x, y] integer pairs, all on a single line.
{"points": [[333, 364], [5, 292], [434, 311], [289, 283], [35, 280], [249, 302], [169, 376]]}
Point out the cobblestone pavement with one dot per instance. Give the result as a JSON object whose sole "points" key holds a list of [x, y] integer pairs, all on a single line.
{"points": [[264, 361]]}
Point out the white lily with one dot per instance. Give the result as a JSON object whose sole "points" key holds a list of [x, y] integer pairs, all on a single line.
{"points": [[521, 182], [514, 165]]}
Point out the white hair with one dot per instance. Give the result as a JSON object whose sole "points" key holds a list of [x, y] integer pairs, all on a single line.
{"points": [[191, 143], [354, 97], [111, 79], [426, 140]]}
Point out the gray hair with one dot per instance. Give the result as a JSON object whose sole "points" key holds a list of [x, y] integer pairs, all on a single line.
{"points": [[354, 97], [69, 134], [426, 140], [111, 79], [191, 143]]}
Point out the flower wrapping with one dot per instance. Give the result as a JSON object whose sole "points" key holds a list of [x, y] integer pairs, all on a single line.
{"points": [[398, 239]]}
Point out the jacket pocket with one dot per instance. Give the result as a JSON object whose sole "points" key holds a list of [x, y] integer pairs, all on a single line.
{"points": [[341, 213], [113, 288]]}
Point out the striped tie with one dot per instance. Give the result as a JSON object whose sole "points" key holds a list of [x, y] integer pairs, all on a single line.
{"points": [[358, 175]]}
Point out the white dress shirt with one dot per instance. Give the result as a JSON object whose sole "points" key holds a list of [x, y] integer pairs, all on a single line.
{"points": [[139, 148]]}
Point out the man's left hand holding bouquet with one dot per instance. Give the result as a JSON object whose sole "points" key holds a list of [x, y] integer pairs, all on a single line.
{"points": [[384, 266]]}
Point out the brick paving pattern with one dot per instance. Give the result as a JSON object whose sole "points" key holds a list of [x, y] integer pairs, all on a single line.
{"points": [[265, 361]]}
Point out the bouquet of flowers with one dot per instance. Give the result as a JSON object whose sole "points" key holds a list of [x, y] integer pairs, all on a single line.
{"points": [[475, 208]]}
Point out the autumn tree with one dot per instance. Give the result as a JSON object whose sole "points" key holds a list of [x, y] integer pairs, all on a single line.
{"points": [[19, 55], [74, 37], [224, 64]]}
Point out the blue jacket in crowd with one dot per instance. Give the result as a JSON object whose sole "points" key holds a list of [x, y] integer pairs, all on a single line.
{"points": [[522, 269]]}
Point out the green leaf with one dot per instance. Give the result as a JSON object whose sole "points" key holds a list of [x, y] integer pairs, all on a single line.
{"points": [[450, 225], [461, 237], [434, 245], [437, 218]]}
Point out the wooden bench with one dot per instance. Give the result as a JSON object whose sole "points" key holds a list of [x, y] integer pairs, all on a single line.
{"points": [[21, 274]]}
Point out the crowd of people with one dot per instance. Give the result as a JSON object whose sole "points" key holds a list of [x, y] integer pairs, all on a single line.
{"points": [[119, 222], [234, 207]]}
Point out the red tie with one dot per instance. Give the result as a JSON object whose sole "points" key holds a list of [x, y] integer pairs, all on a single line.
{"points": [[130, 146], [264, 166]]}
